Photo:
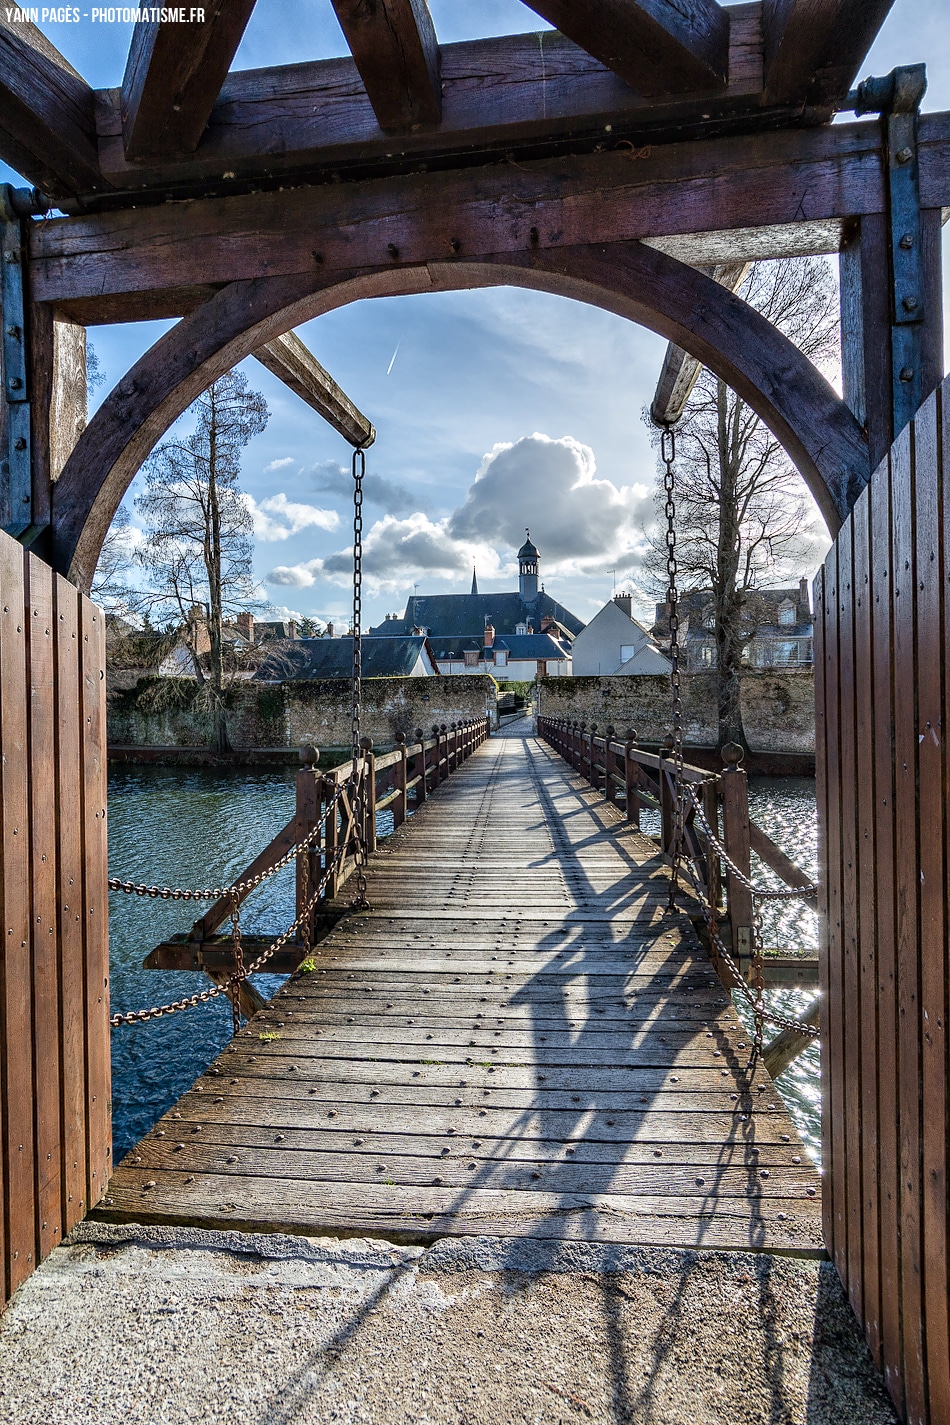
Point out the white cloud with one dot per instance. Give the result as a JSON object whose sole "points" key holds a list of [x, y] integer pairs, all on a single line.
{"points": [[280, 612], [577, 521], [278, 518], [280, 464], [296, 576], [580, 524]]}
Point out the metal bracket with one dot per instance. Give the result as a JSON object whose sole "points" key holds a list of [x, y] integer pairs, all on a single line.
{"points": [[16, 497], [896, 97]]}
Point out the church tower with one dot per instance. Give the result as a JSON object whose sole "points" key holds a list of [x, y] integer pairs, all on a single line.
{"points": [[528, 558]]}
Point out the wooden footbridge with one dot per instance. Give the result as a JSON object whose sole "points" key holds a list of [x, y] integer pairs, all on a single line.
{"points": [[585, 1072], [517, 1039]]}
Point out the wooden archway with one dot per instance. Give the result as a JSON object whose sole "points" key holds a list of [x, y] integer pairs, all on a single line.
{"points": [[651, 288]]}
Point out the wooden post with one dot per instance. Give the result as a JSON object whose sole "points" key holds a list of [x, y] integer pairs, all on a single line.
{"points": [[666, 799], [711, 808], [368, 774], [421, 787], [735, 838], [631, 779], [610, 765], [331, 837], [593, 775], [401, 777], [307, 817], [443, 761]]}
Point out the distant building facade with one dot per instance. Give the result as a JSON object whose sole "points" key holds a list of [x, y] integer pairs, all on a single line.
{"points": [[315, 658], [782, 630], [512, 636], [615, 645]]}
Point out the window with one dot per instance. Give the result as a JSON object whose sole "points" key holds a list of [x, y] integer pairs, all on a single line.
{"points": [[627, 650], [786, 613], [471, 658], [501, 657]]}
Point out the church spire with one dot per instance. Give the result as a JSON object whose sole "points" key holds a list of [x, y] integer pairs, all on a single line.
{"points": [[474, 582]]}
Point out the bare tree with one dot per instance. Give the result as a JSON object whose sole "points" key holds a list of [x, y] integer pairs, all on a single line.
{"points": [[197, 545], [743, 518], [110, 582]]}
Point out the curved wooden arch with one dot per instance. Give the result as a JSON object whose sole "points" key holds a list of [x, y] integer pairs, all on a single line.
{"points": [[820, 434]]}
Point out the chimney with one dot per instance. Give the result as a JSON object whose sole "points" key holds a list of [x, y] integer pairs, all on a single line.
{"points": [[245, 625], [548, 622], [803, 592], [531, 628], [293, 628], [330, 633], [625, 602], [489, 635]]}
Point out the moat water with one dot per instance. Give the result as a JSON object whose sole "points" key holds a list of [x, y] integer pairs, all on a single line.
{"points": [[173, 826]]}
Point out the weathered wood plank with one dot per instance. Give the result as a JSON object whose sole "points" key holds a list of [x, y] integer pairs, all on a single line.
{"points": [[173, 75], [95, 863], [288, 358], [397, 54], [814, 48], [656, 46], [47, 126], [16, 1041]]}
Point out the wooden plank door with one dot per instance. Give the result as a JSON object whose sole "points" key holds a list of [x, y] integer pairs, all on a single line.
{"points": [[55, 1109], [883, 710]]}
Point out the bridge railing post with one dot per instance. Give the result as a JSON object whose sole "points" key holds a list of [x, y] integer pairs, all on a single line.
{"points": [[667, 808], [331, 837], [443, 752], [735, 838], [400, 778], [422, 769], [631, 779], [308, 791], [368, 799], [610, 765]]}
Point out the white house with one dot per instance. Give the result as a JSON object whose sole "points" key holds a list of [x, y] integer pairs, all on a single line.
{"points": [[512, 657], [613, 644]]}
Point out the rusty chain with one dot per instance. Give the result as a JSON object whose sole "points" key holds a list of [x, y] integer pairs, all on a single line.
{"points": [[668, 456], [358, 775], [203, 996], [764, 893], [242, 888], [239, 973]]}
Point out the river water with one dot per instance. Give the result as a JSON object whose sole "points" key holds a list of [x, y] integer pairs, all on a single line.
{"points": [[173, 826]]}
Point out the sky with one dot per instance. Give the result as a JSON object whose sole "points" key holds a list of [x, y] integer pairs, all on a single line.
{"points": [[495, 410]]}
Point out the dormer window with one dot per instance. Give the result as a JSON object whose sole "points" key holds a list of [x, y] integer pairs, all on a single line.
{"points": [[786, 612], [471, 658], [501, 657], [521, 629]]}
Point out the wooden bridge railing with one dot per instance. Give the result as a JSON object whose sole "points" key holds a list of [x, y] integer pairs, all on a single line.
{"points": [[335, 812], [631, 777]]}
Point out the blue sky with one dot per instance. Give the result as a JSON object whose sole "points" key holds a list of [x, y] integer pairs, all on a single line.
{"points": [[540, 396]]}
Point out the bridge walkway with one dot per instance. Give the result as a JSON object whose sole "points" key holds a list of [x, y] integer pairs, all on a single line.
{"points": [[515, 1040]]}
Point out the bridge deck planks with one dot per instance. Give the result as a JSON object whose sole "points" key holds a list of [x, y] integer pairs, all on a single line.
{"points": [[515, 1040]]}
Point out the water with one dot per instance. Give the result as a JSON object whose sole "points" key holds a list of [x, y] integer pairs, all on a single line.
{"points": [[201, 827]]}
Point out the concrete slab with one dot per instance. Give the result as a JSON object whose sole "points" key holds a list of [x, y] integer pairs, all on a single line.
{"points": [[165, 1326]]}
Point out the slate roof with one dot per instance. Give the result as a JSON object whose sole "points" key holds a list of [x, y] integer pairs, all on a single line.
{"points": [[458, 616], [307, 658], [519, 646]]}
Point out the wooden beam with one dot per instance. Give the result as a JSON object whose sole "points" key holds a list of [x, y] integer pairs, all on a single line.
{"points": [[814, 48], [680, 371], [397, 54], [656, 46], [289, 359], [755, 181], [47, 123], [173, 76], [499, 95]]}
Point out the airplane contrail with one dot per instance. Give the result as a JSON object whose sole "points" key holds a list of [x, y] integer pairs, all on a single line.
{"points": [[393, 361]]}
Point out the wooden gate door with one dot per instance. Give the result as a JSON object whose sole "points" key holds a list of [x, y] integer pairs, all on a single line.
{"points": [[883, 699], [55, 1111]]}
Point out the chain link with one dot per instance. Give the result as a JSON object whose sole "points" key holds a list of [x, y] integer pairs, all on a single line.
{"points": [[239, 973], [668, 456], [763, 892], [215, 893], [358, 776]]}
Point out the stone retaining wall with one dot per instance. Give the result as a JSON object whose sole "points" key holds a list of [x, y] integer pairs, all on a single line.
{"points": [[778, 707], [170, 712]]}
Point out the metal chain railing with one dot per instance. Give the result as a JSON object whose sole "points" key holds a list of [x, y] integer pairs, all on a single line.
{"points": [[668, 456], [203, 996], [242, 888], [765, 893], [358, 774]]}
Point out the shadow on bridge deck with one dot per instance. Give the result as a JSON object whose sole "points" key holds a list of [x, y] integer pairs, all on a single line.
{"points": [[516, 1041]]}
